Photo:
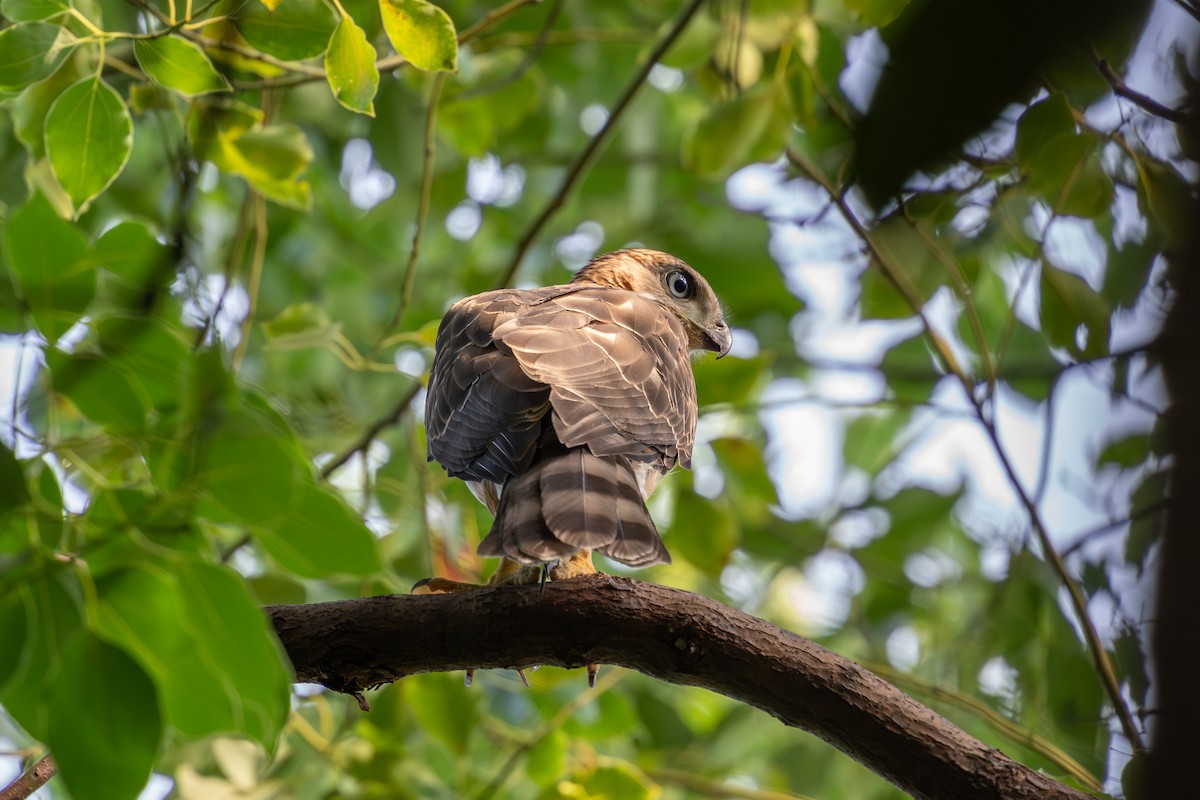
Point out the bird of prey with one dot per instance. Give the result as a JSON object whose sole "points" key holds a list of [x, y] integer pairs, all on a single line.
{"points": [[562, 407]]}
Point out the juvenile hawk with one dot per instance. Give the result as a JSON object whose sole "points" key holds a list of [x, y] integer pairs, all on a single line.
{"points": [[563, 406]]}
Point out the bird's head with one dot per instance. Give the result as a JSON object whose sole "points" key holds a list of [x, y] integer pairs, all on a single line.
{"points": [[673, 282]]}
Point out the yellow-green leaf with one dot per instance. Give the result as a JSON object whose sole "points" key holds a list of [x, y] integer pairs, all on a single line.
{"points": [[180, 65], [350, 68], [89, 137], [422, 33]]}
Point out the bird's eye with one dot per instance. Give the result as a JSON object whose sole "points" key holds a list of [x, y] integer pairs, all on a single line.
{"points": [[679, 285]]}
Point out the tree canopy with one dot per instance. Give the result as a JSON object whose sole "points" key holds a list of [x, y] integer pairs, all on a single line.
{"points": [[947, 236]]}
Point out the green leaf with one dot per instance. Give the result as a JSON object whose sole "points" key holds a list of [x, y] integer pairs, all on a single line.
{"points": [[31, 107], [297, 30], [350, 68], [250, 467], [1165, 198], [163, 621], [620, 779], [31, 51], [13, 492], [911, 370], [877, 13], [151, 350], [906, 257], [270, 158], [89, 136], [547, 759], [1027, 364], [1045, 120], [1132, 451], [723, 140], [1148, 528], [731, 380], [1060, 163], [748, 485], [239, 645], [31, 10], [421, 32], [443, 707], [130, 251], [52, 617], [101, 390], [13, 625], [301, 325], [916, 513], [703, 531], [178, 64], [870, 442], [321, 537], [50, 261], [1068, 304], [105, 725]]}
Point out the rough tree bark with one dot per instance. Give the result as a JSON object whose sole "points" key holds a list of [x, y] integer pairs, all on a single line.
{"points": [[669, 634]]}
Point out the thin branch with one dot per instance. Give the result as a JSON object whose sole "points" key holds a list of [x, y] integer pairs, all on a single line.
{"points": [[560, 718], [1043, 482], [1147, 103], [528, 61], [891, 272], [585, 159], [492, 19], [254, 280], [670, 634], [1190, 8], [30, 780], [312, 73], [1100, 659], [1081, 539], [369, 435], [962, 289], [995, 720], [410, 270]]}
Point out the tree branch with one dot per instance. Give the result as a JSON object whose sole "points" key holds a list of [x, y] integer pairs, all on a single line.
{"points": [[31, 779], [670, 634]]}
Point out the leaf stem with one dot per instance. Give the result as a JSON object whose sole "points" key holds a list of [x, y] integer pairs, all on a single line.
{"points": [[427, 169]]}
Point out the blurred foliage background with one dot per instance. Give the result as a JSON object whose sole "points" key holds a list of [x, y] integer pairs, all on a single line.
{"points": [[230, 229]]}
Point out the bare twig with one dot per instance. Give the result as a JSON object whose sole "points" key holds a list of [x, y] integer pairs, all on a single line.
{"points": [[528, 61], [1147, 103], [589, 153], [369, 435], [30, 780]]}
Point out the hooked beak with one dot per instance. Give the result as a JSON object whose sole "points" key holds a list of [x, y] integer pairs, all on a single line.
{"points": [[718, 338]]}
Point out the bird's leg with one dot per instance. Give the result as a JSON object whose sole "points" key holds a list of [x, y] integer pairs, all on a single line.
{"points": [[576, 566], [514, 573]]}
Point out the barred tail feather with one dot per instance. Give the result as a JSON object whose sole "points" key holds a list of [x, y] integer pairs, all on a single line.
{"points": [[571, 500]]}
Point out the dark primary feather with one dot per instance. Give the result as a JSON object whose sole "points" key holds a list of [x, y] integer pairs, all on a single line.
{"points": [[554, 394]]}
